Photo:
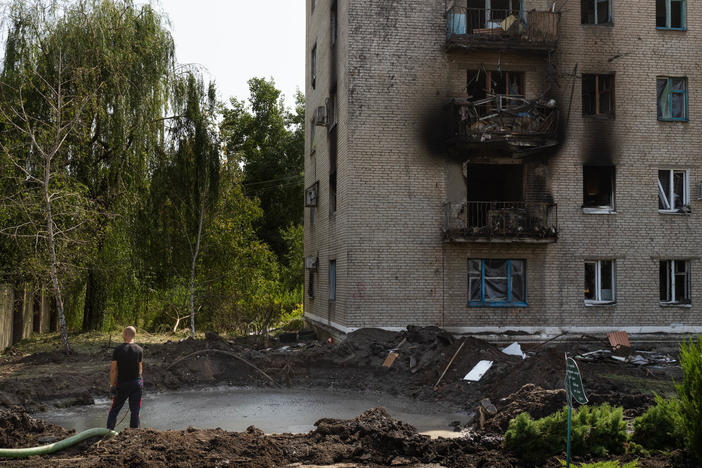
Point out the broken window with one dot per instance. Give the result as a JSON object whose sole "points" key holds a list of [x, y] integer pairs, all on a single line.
{"points": [[600, 280], [598, 95], [595, 11], [482, 82], [675, 281], [496, 282], [598, 188], [490, 13], [672, 98], [670, 14], [313, 65], [310, 285], [332, 280], [332, 110], [673, 191]]}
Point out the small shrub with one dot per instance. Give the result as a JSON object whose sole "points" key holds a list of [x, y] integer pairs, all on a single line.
{"points": [[690, 394], [597, 431], [661, 427]]}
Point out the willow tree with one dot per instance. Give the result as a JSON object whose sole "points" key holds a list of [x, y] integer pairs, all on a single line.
{"points": [[132, 54], [185, 184]]}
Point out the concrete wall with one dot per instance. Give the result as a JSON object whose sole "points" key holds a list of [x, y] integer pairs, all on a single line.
{"points": [[394, 77]]}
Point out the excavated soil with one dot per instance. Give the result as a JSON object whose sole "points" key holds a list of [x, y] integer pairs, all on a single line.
{"points": [[513, 384]]}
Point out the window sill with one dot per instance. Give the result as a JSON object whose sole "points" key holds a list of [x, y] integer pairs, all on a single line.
{"points": [[683, 305], [659, 28], [609, 24], [675, 212], [497, 305], [600, 303], [598, 116], [673, 120], [599, 211]]}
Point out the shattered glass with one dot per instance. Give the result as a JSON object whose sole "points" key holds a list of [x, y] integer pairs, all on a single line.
{"points": [[590, 275], [518, 282], [496, 280]]}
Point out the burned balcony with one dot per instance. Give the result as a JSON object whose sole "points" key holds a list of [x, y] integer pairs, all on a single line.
{"points": [[486, 221], [502, 29], [518, 125]]}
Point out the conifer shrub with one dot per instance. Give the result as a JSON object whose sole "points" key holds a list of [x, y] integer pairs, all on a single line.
{"points": [[661, 427], [598, 430], [690, 394]]}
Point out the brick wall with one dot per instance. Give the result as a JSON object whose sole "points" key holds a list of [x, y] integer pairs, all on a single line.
{"points": [[394, 78]]}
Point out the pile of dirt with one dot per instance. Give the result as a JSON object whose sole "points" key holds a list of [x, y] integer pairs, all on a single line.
{"points": [[536, 401], [18, 430], [373, 438]]}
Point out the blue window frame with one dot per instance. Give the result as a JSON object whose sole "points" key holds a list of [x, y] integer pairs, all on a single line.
{"points": [[497, 283], [672, 98], [671, 14]]}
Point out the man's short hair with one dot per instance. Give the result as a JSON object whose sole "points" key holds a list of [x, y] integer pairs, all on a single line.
{"points": [[130, 331]]}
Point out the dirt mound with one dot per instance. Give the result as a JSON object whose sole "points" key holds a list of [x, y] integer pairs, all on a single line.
{"points": [[531, 399], [373, 438], [18, 430]]}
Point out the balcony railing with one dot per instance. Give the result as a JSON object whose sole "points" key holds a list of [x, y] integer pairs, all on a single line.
{"points": [[501, 222], [495, 28], [523, 125]]}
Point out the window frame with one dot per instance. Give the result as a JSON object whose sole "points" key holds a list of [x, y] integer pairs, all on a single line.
{"points": [[670, 79], [509, 302], [668, 16], [313, 66], [598, 282], [310, 285], [332, 280], [602, 209], [610, 13], [671, 278], [612, 96], [669, 196]]}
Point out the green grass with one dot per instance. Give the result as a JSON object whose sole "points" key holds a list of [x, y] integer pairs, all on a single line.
{"points": [[91, 341], [665, 388]]}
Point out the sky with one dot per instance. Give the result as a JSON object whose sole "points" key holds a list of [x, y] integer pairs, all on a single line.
{"points": [[235, 40]]}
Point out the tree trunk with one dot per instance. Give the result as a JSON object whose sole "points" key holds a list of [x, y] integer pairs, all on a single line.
{"points": [[192, 269], [95, 300], [52, 255]]}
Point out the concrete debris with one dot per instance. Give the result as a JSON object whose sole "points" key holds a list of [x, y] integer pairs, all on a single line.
{"points": [[478, 371], [487, 405]]}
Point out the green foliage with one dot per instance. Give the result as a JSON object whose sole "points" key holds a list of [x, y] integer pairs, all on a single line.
{"points": [[597, 431], [661, 427], [690, 393], [269, 142], [605, 464]]}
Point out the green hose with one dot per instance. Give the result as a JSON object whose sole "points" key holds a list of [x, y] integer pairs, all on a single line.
{"points": [[56, 446]]}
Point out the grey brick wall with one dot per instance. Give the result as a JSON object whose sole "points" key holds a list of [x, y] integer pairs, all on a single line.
{"points": [[394, 76]]}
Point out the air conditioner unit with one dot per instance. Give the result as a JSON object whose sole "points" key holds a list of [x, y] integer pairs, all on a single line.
{"points": [[320, 116], [311, 195], [311, 263]]}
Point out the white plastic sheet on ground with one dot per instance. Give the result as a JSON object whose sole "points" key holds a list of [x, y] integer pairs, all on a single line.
{"points": [[478, 371], [514, 350]]}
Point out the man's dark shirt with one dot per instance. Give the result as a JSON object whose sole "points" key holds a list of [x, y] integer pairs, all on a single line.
{"points": [[128, 357]]}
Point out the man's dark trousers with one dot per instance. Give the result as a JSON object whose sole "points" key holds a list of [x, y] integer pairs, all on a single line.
{"points": [[126, 390]]}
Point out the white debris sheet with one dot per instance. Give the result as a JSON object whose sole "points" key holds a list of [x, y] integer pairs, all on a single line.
{"points": [[514, 350], [478, 371]]}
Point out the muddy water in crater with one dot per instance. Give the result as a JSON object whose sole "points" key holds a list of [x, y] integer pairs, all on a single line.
{"points": [[272, 411]]}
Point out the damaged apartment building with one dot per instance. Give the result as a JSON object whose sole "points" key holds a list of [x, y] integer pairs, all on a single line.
{"points": [[495, 166]]}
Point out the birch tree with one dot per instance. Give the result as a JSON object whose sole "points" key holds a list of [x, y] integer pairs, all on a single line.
{"points": [[45, 205]]}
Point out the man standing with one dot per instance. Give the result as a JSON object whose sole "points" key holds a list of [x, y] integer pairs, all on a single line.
{"points": [[125, 379]]}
